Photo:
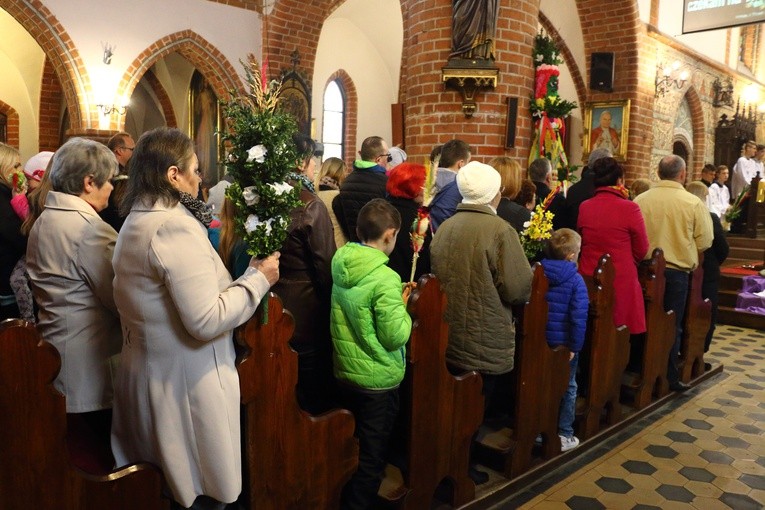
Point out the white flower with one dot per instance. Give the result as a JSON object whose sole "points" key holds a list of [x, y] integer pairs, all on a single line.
{"points": [[280, 188], [256, 153], [250, 197], [232, 157], [540, 57], [252, 223], [526, 224]]}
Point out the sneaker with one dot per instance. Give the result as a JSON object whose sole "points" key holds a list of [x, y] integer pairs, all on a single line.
{"points": [[568, 443]]}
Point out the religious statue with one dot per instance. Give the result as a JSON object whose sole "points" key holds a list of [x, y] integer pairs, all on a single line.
{"points": [[474, 24]]}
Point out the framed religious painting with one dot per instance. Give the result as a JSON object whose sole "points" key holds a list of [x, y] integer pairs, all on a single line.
{"points": [[606, 125]]}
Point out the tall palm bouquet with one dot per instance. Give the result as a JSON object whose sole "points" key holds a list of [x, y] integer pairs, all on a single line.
{"points": [[260, 157]]}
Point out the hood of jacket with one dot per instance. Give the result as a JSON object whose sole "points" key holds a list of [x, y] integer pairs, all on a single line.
{"points": [[559, 271], [353, 262]]}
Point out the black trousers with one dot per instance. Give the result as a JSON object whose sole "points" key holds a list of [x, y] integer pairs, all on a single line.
{"points": [[375, 415], [675, 296]]}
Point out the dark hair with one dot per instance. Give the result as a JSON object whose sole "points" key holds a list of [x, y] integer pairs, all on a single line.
{"points": [[562, 243], [670, 167], [155, 152], [117, 141], [375, 218], [406, 180], [435, 154], [539, 168], [526, 193], [453, 151], [709, 168], [304, 146], [607, 171], [371, 148]]}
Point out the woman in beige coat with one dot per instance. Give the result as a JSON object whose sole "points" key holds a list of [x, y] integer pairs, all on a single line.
{"points": [[177, 391], [69, 255]]}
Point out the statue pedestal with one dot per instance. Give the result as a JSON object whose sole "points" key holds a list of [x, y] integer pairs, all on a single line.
{"points": [[469, 77]]}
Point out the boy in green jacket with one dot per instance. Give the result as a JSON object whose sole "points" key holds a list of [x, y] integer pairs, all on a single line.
{"points": [[370, 328]]}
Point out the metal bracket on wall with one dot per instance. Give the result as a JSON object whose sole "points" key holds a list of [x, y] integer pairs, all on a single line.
{"points": [[469, 81]]}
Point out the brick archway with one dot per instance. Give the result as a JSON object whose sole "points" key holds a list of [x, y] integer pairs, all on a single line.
{"points": [[205, 57], [59, 48], [697, 121], [164, 99], [12, 127], [351, 112], [568, 57]]}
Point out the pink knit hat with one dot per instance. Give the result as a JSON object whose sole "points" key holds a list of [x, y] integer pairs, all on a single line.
{"points": [[35, 167]]}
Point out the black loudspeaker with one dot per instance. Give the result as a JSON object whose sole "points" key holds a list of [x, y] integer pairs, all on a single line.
{"points": [[602, 72]]}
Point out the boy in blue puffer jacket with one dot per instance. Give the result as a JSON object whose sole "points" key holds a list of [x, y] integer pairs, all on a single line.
{"points": [[370, 328], [566, 317]]}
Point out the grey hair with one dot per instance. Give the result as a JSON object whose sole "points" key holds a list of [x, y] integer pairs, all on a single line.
{"points": [[77, 159], [670, 167], [599, 153], [539, 168]]}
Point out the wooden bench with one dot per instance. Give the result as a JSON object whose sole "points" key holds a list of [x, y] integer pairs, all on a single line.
{"points": [[291, 459], [698, 317], [539, 380], [37, 470], [446, 410], [651, 382], [606, 353]]}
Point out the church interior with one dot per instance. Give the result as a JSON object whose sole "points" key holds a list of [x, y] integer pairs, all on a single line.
{"points": [[352, 69]]}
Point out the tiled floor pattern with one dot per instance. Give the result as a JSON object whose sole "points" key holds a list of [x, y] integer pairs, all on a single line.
{"points": [[705, 450]]}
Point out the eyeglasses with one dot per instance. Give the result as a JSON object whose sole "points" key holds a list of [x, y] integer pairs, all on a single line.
{"points": [[388, 157]]}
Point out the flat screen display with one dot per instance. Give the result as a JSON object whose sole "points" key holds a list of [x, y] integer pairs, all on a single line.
{"points": [[701, 15]]}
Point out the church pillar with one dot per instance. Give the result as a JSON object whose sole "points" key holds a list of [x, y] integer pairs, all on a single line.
{"points": [[433, 114]]}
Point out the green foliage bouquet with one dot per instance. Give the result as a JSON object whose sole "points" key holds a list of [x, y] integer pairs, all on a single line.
{"points": [[261, 155]]}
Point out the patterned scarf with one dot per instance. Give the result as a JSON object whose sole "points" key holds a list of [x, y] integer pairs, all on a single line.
{"points": [[199, 209], [305, 181], [621, 189]]}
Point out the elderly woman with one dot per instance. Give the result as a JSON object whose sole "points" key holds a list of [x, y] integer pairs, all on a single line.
{"points": [[176, 394], [405, 193], [69, 261], [12, 243], [610, 223], [512, 212], [305, 284]]}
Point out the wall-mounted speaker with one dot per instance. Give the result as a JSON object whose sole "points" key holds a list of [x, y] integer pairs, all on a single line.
{"points": [[602, 72]]}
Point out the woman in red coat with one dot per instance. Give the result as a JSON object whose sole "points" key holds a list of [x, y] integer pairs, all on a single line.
{"points": [[610, 223]]}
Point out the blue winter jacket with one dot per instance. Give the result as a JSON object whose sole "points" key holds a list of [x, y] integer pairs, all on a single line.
{"points": [[568, 304], [444, 203]]}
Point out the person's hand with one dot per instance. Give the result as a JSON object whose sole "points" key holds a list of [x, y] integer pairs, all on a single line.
{"points": [[407, 292], [571, 355], [269, 266]]}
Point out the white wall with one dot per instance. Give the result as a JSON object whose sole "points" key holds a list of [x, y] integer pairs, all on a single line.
{"points": [[711, 43], [371, 57]]}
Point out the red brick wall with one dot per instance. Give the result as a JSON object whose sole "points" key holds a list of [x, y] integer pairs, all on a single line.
{"points": [[293, 25], [164, 99], [12, 128], [50, 108]]}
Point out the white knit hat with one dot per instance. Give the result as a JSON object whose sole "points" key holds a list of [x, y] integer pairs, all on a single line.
{"points": [[398, 156], [478, 183], [35, 167]]}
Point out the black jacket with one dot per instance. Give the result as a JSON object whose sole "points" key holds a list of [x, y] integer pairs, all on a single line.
{"points": [[13, 245], [361, 186], [578, 193], [400, 260]]}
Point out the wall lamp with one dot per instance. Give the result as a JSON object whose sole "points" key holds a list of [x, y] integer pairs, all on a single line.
{"points": [[668, 76], [108, 109]]}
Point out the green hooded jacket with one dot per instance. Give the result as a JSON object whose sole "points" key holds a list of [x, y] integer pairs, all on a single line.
{"points": [[369, 322]]}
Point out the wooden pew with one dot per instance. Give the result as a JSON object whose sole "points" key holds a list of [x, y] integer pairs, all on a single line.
{"points": [[651, 382], [291, 459], [36, 469], [540, 378], [606, 350], [698, 317], [446, 410]]}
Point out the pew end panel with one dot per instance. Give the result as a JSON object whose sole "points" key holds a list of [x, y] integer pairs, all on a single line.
{"points": [[606, 355], [698, 317], [291, 459], [37, 470], [445, 410], [652, 382]]}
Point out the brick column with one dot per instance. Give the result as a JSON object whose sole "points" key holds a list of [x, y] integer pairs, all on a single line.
{"points": [[434, 115]]}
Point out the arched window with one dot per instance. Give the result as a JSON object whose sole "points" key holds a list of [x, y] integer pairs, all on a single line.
{"points": [[333, 129]]}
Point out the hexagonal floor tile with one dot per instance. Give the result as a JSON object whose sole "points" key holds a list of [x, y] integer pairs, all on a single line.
{"points": [[740, 394], [748, 429], [616, 485], [716, 457], [646, 507], [733, 442], [583, 503], [753, 481], [711, 412], [675, 493], [681, 437], [697, 424], [739, 502], [697, 474], [726, 401], [639, 467], [663, 452]]}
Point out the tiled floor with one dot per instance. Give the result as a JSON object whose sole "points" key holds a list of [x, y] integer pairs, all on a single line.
{"points": [[704, 450]]}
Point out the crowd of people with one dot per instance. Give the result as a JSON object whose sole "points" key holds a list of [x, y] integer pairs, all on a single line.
{"points": [[139, 283]]}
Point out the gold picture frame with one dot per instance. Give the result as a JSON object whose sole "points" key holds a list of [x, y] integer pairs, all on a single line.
{"points": [[606, 124]]}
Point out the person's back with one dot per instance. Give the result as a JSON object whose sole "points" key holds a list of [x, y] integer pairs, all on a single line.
{"points": [[366, 182], [566, 317], [370, 328], [454, 155]]}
